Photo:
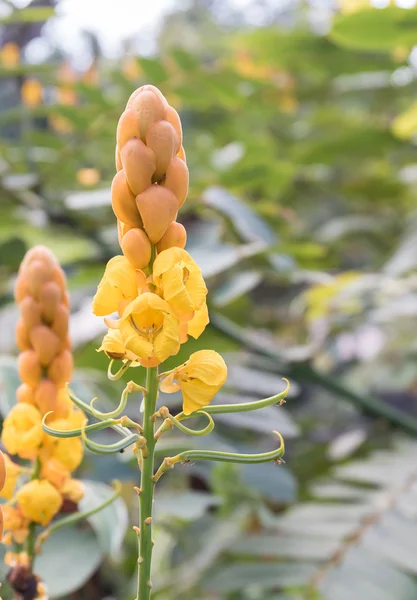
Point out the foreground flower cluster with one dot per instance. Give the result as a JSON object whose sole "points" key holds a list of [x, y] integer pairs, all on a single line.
{"points": [[36, 493]]}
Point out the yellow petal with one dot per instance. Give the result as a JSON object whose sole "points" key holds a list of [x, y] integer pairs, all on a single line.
{"points": [[208, 366], [120, 282], [167, 342], [196, 395], [134, 342], [113, 345], [199, 322], [168, 385]]}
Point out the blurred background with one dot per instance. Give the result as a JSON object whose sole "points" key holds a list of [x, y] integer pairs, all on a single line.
{"points": [[300, 128]]}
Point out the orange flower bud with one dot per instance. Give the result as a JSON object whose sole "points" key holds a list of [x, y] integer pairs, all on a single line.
{"points": [[163, 140], [58, 277], [37, 274], [55, 472], [123, 201], [148, 87], [25, 393], [175, 235], [38, 253], [137, 248], [127, 128], [30, 311], [118, 159], [174, 118], [60, 370], [176, 179], [181, 154], [74, 490], [45, 343], [2, 471], [139, 164], [158, 207], [30, 370], [50, 296], [46, 396], [148, 107], [60, 322], [21, 289], [22, 336]]}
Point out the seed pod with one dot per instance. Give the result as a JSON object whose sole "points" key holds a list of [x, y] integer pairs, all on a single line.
{"points": [[31, 312], [60, 370], [127, 128], [174, 118], [45, 343], [37, 274], [46, 396], [118, 159], [137, 248], [158, 207], [175, 235], [123, 201], [2, 473], [148, 108], [163, 140], [139, 164], [22, 336], [176, 179], [25, 393], [50, 295], [60, 322], [30, 370], [21, 289]]}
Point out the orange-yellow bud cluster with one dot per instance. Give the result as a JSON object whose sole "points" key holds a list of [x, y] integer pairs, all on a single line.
{"points": [[151, 182], [45, 366]]}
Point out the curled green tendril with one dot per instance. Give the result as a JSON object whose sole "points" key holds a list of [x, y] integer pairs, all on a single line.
{"points": [[201, 432], [217, 409], [87, 409], [231, 456], [71, 433], [115, 376], [78, 516], [131, 387]]}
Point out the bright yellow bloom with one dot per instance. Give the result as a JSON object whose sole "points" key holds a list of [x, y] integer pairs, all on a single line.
{"points": [[114, 346], [22, 430], [149, 329], [68, 451], [120, 284], [180, 282], [12, 474], [199, 379], [39, 501], [15, 524], [74, 490], [55, 472], [199, 322]]}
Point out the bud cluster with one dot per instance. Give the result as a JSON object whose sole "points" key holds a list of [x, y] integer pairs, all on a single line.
{"points": [[45, 364]]}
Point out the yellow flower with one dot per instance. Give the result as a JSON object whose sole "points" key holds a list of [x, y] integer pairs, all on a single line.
{"points": [[74, 490], [149, 329], [55, 472], [199, 379], [120, 284], [15, 523], [179, 280], [199, 322], [39, 501], [22, 430], [68, 451], [113, 345], [12, 474]]}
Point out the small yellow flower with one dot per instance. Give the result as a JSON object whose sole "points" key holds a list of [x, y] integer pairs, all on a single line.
{"points": [[114, 346], [12, 474], [149, 329], [199, 379], [15, 523], [55, 472], [39, 501], [74, 490], [22, 430], [180, 282], [120, 284]]}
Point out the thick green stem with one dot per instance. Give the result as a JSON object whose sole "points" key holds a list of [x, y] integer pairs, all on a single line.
{"points": [[147, 488]]}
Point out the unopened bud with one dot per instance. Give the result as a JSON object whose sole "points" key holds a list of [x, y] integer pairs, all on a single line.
{"points": [[46, 343], [21, 289], [25, 393], [139, 164], [50, 296], [137, 248], [60, 322], [60, 370], [176, 179], [158, 207], [181, 154], [31, 312], [46, 396], [173, 118], [123, 201], [148, 108], [30, 370], [163, 140], [37, 274], [127, 127], [175, 235], [118, 160], [22, 336], [58, 277]]}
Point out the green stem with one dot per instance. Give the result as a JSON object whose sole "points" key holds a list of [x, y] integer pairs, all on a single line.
{"points": [[147, 488], [31, 538]]}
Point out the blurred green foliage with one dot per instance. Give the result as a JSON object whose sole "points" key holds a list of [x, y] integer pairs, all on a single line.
{"points": [[301, 212]]}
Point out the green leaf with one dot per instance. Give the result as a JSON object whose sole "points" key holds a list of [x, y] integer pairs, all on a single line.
{"points": [[376, 29], [109, 524], [69, 558], [34, 14]]}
